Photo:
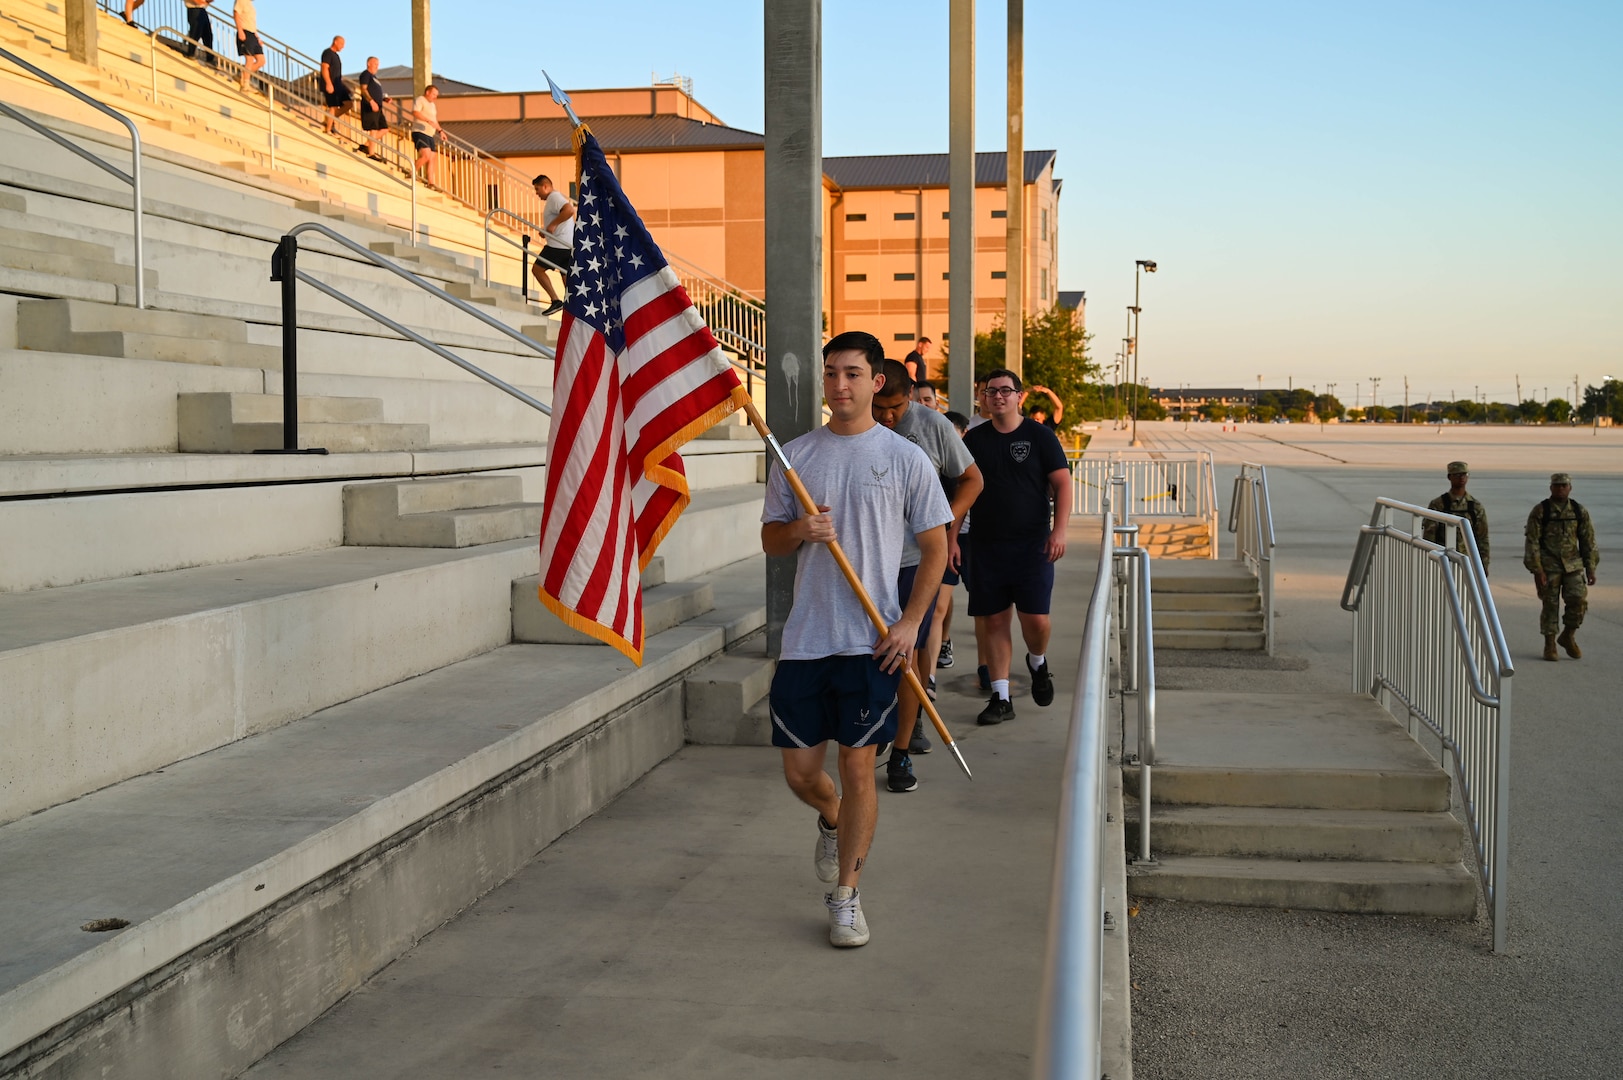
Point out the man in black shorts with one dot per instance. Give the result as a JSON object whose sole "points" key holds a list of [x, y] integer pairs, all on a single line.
{"points": [[1014, 541], [558, 239], [373, 120], [333, 91], [832, 681], [248, 46]]}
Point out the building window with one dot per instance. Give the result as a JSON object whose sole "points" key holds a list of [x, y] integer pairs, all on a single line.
{"points": [[945, 214], [904, 277], [1000, 213], [574, 191], [998, 275], [856, 277], [903, 216], [905, 337], [856, 217], [1045, 226], [946, 275], [1043, 289]]}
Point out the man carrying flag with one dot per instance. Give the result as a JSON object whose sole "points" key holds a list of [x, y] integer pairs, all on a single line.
{"points": [[833, 681], [637, 375]]}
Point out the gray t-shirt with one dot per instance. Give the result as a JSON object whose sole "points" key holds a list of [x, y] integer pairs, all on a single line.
{"points": [[879, 487], [935, 435]]}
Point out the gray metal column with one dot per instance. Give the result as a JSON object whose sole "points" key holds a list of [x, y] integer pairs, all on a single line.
{"points": [[1014, 309], [794, 247], [79, 17], [961, 206], [422, 53]]}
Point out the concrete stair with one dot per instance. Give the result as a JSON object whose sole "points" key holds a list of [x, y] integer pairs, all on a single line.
{"points": [[727, 699], [447, 512], [226, 423], [1175, 538], [1297, 801], [1205, 604], [98, 329]]}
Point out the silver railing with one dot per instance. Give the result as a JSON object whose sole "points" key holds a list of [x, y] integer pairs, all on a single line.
{"points": [[132, 178], [736, 317], [1426, 634], [1251, 520], [523, 245], [1137, 650], [1157, 485], [1069, 1026], [284, 269]]}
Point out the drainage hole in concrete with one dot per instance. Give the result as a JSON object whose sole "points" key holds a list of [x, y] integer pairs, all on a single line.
{"points": [[101, 926]]}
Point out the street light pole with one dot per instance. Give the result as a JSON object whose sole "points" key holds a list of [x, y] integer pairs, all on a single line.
{"points": [[1140, 267]]}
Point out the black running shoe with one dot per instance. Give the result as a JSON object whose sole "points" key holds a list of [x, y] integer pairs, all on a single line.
{"points": [[997, 710], [1042, 684], [944, 658], [553, 308], [899, 773], [918, 744]]}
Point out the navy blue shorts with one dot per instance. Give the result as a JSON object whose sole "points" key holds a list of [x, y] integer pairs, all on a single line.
{"points": [[844, 698], [1011, 572], [904, 589]]}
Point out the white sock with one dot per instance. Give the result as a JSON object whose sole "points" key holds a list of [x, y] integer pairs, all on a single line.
{"points": [[1035, 662], [1000, 687]]}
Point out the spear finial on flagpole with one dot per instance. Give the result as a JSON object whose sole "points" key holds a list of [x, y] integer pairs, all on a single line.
{"points": [[561, 98]]}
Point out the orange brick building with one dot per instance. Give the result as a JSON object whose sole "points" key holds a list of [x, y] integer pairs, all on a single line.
{"points": [[700, 187]]}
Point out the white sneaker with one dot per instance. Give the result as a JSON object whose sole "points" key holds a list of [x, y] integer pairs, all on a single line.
{"points": [[846, 927], [827, 855]]}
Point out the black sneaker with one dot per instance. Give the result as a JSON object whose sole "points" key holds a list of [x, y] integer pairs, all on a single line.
{"points": [[918, 744], [553, 308], [944, 660], [997, 710], [1042, 684], [899, 773]]}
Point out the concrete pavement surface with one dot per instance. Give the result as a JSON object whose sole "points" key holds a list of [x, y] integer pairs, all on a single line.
{"points": [[1253, 993], [681, 931]]}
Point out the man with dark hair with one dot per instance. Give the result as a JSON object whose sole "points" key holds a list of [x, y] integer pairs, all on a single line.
{"points": [[924, 393], [1016, 539], [961, 480], [334, 94], [248, 46], [558, 239], [918, 369], [425, 132], [832, 680]]}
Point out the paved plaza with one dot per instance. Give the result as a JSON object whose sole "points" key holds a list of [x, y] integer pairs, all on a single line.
{"points": [[1251, 993]]}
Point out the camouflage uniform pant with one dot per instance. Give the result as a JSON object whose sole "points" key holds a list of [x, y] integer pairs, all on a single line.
{"points": [[1571, 587]]}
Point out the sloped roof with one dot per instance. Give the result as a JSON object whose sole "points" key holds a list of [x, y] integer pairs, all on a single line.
{"points": [[924, 170], [550, 135]]}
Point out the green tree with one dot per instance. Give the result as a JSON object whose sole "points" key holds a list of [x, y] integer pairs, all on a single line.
{"points": [[1265, 413], [1056, 356], [1557, 411], [1214, 410], [1530, 411], [1603, 400], [1328, 407]]}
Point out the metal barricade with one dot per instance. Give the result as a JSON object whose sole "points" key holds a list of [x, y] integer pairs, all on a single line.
{"points": [[1427, 635], [1157, 485], [1251, 520], [132, 178]]}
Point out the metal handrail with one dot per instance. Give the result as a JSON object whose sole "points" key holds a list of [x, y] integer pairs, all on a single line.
{"points": [[284, 269], [1455, 680], [1251, 519], [523, 247], [132, 178], [1069, 1027], [1138, 670]]}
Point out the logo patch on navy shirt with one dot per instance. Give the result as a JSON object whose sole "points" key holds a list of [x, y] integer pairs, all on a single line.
{"points": [[1020, 450]]}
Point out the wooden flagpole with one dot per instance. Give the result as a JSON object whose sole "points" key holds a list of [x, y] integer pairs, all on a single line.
{"points": [[810, 506]]}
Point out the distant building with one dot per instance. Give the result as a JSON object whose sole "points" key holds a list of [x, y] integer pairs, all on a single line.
{"points": [[700, 187], [1177, 400]]}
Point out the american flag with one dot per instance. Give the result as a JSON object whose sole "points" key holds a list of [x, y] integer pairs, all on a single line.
{"points": [[638, 374]]}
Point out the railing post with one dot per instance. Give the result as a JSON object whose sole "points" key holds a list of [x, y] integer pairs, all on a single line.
{"points": [[523, 264], [270, 119], [284, 268]]}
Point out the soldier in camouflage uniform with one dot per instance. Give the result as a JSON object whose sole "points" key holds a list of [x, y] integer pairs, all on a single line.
{"points": [[1561, 555], [1456, 500]]}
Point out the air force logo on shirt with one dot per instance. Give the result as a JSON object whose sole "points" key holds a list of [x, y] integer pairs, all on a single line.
{"points": [[1020, 450], [878, 475]]}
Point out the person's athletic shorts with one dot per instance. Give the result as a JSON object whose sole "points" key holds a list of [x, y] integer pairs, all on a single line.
{"points": [[422, 140], [904, 589], [844, 698], [963, 558], [248, 45], [1011, 572], [338, 98], [374, 120], [949, 576], [556, 258]]}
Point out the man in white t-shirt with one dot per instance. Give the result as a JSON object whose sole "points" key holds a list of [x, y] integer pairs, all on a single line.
{"points": [[425, 132], [832, 680], [558, 239]]}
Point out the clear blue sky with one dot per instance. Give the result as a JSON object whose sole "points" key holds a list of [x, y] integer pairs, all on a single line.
{"points": [[1333, 192]]}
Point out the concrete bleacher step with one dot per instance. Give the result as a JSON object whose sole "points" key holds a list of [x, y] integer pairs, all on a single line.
{"points": [[1219, 640], [726, 699], [263, 881], [1386, 888], [447, 512], [421, 254], [1227, 621], [1297, 833], [226, 423], [166, 665], [490, 296], [116, 330], [1202, 603], [663, 606], [1200, 576], [98, 267]]}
